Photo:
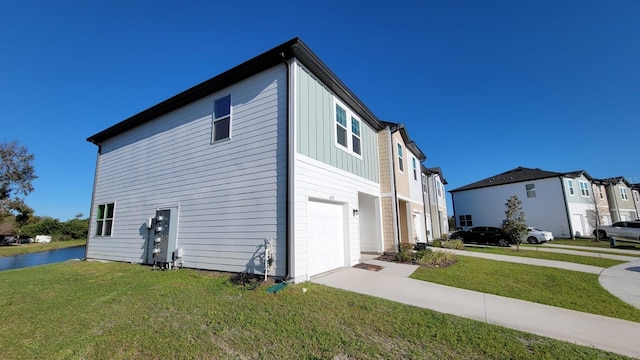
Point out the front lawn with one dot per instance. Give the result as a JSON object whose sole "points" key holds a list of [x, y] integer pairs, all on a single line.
{"points": [[598, 244], [33, 248], [86, 310], [556, 287], [512, 251]]}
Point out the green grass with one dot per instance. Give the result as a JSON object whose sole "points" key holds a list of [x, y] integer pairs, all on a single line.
{"points": [[90, 310], [597, 244], [547, 256], [33, 248], [556, 287]]}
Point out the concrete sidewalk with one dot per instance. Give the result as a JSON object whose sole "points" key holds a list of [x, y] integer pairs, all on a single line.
{"points": [[392, 283], [529, 261], [580, 253], [594, 248], [623, 281]]}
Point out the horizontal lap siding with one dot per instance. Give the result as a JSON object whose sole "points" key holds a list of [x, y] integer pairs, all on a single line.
{"points": [[317, 180], [231, 194]]}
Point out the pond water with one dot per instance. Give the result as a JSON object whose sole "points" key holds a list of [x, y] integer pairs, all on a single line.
{"points": [[41, 258]]}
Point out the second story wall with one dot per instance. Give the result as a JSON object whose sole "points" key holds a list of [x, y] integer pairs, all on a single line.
{"points": [[324, 124], [401, 163]]}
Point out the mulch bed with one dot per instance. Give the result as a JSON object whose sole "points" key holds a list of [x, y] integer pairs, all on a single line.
{"points": [[368, 267], [392, 258]]}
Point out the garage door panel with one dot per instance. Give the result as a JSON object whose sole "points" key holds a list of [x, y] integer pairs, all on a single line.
{"points": [[325, 234]]}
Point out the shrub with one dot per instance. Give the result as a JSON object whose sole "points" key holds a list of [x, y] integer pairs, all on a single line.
{"points": [[445, 237], [436, 243], [406, 252], [453, 244], [437, 259]]}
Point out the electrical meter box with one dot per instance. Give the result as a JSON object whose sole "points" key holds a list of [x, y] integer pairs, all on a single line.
{"points": [[165, 235]]}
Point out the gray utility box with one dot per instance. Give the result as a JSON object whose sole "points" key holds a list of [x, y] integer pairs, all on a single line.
{"points": [[165, 237]]}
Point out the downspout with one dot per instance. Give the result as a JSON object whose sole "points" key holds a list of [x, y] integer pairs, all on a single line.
{"points": [[394, 194], [93, 196], [566, 207], [290, 174]]}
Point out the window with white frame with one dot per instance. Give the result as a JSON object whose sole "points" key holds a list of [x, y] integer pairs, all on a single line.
{"points": [[222, 119], [636, 196], [400, 159], [439, 187], [531, 190], [348, 130], [584, 188], [465, 220], [601, 192], [341, 126], [571, 189], [104, 219], [415, 169], [623, 193]]}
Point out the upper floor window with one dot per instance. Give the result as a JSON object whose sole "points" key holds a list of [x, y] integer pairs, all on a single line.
{"points": [[104, 219], [439, 187], [222, 118], [531, 190], [623, 193], [341, 126], [571, 189], [584, 188], [400, 158], [355, 135], [601, 192], [348, 136], [415, 169], [636, 196]]}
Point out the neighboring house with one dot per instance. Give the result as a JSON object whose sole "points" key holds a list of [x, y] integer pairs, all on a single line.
{"points": [[275, 153], [599, 189], [621, 201], [401, 189], [435, 202], [558, 202]]}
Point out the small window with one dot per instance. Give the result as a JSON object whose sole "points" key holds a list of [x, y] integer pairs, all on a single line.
{"points": [[601, 192], [439, 187], [584, 188], [415, 169], [465, 220], [623, 193], [222, 119], [341, 126], [400, 158], [531, 190], [355, 135], [636, 196], [104, 223], [571, 190]]}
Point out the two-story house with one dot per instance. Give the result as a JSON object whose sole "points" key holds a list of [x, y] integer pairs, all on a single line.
{"points": [[558, 202], [603, 213], [435, 202], [272, 166], [635, 190], [621, 201]]}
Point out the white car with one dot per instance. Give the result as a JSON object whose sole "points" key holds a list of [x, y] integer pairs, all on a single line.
{"points": [[622, 230], [535, 236]]}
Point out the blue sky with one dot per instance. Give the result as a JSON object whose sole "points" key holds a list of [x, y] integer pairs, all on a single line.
{"points": [[482, 86]]}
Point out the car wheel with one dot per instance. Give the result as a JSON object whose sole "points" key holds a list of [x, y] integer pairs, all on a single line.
{"points": [[503, 243], [602, 234], [532, 240]]}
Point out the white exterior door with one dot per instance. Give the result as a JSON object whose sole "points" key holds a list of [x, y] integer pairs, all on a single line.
{"points": [[325, 231], [578, 225], [417, 228]]}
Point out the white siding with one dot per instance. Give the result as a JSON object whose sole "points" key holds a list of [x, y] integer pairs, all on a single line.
{"points": [[415, 185], [546, 211], [317, 180], [231, 194]]}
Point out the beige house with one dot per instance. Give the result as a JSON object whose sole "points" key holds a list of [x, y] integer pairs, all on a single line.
{"points": [[402, 205], [601, 200], [621, 202], [433, 183]]}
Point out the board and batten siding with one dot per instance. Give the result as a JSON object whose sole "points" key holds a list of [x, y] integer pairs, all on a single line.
{"points": [[231, 194], [315, 129]]}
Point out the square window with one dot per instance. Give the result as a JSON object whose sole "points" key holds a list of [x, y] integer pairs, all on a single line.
{"points": [[531, 190], [465, 220], [221, 129]]}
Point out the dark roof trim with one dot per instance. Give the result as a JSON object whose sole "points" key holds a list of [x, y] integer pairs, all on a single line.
{"points": [[290, 49], [411, 145], [517, 175], [435, 170]]}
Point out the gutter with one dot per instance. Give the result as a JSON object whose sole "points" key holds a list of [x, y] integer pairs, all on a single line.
{"points": [[394, 193], [566, 206], [289, 253]]}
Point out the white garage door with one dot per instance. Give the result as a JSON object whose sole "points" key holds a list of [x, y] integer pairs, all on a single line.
{"points": [[325, 234]]}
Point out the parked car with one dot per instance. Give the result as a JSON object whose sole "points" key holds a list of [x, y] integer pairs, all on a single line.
{"points": [[483, 235], [622, 230], [536, 236]]}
